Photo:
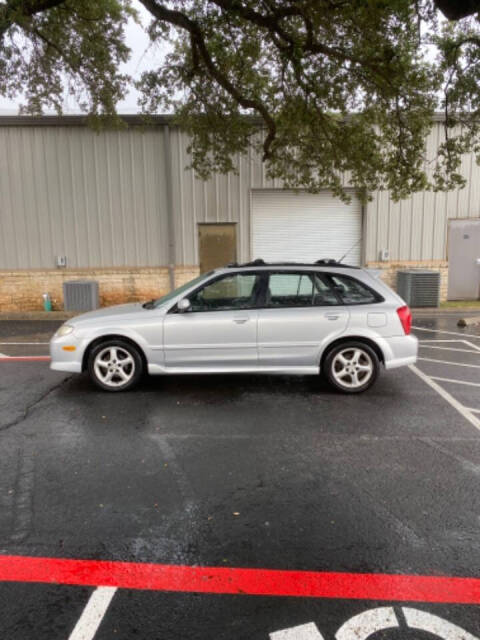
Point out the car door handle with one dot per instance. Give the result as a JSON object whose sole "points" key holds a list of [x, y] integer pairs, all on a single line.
{"points": [[332, 316], [241, 319]]}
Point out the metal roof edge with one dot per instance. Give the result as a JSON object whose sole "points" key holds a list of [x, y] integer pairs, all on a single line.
{"points": [[132, 119], [80, 120]]}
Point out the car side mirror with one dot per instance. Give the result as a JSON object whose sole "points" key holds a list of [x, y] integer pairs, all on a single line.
{"points": [[184, 305]]}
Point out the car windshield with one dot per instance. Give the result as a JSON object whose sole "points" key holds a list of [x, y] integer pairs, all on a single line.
{"points": [[159, 301]]}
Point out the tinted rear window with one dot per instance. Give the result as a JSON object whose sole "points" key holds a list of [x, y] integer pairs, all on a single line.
{"points": [[352, 291]]}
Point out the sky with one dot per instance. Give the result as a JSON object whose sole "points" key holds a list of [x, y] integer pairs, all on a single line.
{"points": [[143, 57]]}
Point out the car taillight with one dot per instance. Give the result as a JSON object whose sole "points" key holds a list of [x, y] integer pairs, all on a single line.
{"points": [[405, 316]]}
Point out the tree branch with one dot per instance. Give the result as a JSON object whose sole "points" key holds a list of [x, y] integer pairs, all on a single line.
{"points": [[179, 19], [309, 46], [456, 9], [11, 11]]}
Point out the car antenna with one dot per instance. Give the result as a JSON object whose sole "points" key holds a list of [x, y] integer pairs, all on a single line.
{"points": [[351, 249]]}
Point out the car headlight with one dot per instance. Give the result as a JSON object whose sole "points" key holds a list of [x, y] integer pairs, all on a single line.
{"points": [[64, 330]]}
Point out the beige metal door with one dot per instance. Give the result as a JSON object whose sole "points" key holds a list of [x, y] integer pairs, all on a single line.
{"points": [[464, 259], [217, 245]]}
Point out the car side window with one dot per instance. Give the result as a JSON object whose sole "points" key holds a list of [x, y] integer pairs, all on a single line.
{"points": [[289, 290], [324, 293], [351, 291], [236, 291]]}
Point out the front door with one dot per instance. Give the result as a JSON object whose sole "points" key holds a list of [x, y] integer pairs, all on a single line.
{"points": [[300, 312], [217, 245], [219, 332]]}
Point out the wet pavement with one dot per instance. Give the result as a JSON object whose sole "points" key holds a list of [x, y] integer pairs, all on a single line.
{"points": [[255, 472]]}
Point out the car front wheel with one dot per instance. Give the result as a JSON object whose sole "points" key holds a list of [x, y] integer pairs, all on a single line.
{"points": [[351, 367], [115, 365]]}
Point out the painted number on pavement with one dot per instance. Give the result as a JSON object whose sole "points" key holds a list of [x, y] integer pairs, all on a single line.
{"points": [[365, 624]]}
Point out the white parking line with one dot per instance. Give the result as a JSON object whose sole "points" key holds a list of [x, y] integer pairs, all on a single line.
{"points": [[93, 614], [423, 340], [469, 384], [456, 364], [447, 396], [451, 333], [470, 344], [433, 346], [303, 632], [473, 410]]}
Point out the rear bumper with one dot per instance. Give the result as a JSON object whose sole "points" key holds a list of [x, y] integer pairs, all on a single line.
{"points": [[399, 351]]}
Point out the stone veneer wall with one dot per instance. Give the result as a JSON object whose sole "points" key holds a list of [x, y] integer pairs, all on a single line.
{"points": [[389, 272], [21, 290]]}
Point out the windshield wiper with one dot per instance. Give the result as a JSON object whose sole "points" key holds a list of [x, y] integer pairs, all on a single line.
{"points": [[149, 305]]}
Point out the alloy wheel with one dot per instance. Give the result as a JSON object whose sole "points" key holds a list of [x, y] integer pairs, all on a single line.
{"points": [[114, 366], [352, 368]]}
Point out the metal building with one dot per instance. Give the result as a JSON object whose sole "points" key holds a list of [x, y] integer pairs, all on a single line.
{"points": [[123, 207]]}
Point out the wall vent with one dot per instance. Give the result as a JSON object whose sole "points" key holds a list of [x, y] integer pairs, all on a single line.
{"points": [[80, 295], [419, 288]]}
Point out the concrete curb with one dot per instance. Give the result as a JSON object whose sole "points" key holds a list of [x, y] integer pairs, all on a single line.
{"points": [[35, 316]]}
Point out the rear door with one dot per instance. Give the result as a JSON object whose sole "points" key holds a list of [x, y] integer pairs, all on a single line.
{"points": [[367, 308], [300, 311]]}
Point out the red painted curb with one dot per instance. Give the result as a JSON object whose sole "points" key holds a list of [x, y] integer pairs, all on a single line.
{"points": [[256, 582], [25, 358]]}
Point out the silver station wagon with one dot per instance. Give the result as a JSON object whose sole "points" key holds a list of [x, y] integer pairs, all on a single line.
{"points": [[328, 318]]}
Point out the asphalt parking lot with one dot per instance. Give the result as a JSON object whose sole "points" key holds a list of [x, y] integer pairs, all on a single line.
{"points": [[208, 495]]}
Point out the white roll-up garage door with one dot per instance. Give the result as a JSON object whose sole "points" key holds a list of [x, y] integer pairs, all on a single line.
{"points": [[305, 227]]}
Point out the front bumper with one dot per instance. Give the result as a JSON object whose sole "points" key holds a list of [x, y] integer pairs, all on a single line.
{"points": [[67, 360]]}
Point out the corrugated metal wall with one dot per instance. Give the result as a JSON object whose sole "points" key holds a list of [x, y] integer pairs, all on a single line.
{"points": [[416, 228], [224, 198], [98, 199], [102, 200]]}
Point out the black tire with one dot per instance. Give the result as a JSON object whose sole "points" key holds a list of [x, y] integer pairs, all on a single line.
{"points": [[355, 378], [133, 367]]}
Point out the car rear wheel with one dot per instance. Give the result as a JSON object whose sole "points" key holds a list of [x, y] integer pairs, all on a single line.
{"points": [[351, 367], [115, 365]]}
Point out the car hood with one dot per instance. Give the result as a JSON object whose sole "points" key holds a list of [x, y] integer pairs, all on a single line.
{"points": [[110, 312]]}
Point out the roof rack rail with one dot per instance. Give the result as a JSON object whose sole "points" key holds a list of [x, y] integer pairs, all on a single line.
{"points": [[323, 262], [258, 262]]}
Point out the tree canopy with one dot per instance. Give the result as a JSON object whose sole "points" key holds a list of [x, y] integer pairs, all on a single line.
{"points": [[336, 86]]}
